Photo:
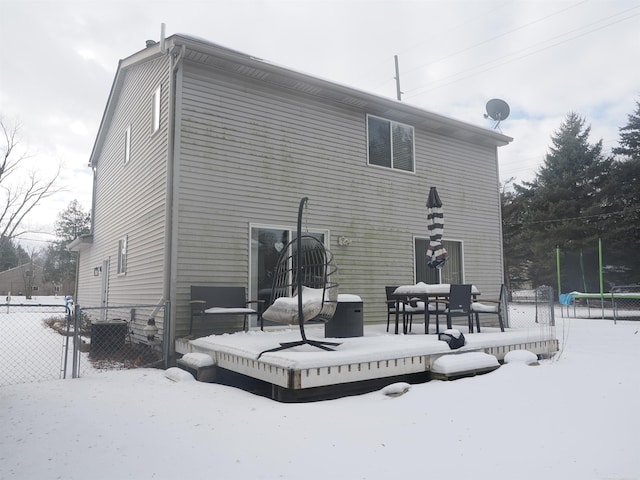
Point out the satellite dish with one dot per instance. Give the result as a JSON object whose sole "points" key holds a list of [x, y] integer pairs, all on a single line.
{"points": [[497, 110]]}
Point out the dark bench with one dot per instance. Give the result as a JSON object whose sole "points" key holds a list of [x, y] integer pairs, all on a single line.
{"points": [[212, 301]]}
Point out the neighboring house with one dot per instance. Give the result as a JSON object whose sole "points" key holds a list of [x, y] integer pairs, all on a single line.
{"points": [[27, 280], [204, 153]]}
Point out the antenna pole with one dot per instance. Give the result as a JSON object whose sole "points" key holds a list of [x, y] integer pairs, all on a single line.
{"points": [[398, 92]]}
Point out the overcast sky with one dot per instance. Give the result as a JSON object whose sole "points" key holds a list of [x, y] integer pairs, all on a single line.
{"points": [[544, 58]]}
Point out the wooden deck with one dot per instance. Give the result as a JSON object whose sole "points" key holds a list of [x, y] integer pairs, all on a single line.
{"points": [[358, 364]]}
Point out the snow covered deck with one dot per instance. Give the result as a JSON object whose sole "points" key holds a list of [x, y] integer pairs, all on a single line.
{"points": [[377, 356]]}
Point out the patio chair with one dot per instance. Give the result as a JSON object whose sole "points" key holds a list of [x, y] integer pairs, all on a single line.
{"points": [[493, 307], [436, 308], [457, 305], [304, 287], [212, 301], [410, 307], [402, 305], [392, 303]]}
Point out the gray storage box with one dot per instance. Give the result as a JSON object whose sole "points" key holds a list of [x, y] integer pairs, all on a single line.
{"points": [[348, 321]]}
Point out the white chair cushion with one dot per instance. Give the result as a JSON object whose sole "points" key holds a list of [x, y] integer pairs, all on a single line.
{"points": [[408, 308], [229, 310], [478, 307], [285, 309]]}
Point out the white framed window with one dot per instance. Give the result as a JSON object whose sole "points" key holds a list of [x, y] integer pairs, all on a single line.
{"points": [[155, 111], [390, 144], [122, 255], [452, 271], [127, 144]]}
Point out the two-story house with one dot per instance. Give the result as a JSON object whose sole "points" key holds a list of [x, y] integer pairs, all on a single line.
{"points": [[204, 153]]}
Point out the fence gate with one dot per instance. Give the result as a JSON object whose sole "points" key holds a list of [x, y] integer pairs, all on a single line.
{"points": [[35, 342]]}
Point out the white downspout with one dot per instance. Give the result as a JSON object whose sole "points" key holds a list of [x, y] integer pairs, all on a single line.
{"points": [[175, 60]]}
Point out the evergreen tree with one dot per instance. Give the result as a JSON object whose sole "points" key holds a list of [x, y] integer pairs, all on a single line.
{"points": [[562, 204], [11, 254], [60, 266], [621, 232], [622, 260], [629, 145], [516, 260]]}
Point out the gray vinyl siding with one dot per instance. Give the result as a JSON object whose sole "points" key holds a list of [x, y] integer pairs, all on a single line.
{"points": [[250, 151], [247, 149], [130, 199]]}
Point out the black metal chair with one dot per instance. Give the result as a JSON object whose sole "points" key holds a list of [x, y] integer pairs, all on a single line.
{"points": [[497, 307], [457, 305], [392, 303], [304, 287], [411, 306], [403, 305]]}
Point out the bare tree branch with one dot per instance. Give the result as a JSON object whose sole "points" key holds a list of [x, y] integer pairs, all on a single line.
{"points": [[19, 198]]}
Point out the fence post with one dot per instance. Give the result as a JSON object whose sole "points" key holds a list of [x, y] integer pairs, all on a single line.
{"points": [[552, 307], [166, 328], [66, 343], [76, 338]]}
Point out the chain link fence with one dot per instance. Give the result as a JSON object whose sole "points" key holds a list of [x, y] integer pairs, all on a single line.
{"points": [[625, 302], [50, 341], [528, 308], [621, 303], [119, 337], [535, 310], [35, 340]]}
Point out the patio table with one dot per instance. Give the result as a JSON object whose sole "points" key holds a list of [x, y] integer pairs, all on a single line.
{"points": [[423, 292]]}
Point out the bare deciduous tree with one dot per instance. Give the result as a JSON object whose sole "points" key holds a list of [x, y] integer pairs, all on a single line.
{"points": [[21, 187]]}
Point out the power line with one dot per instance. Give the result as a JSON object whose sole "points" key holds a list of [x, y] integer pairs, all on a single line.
{"points": [[489, 65], [428, 40], [491, 39], [579, 217]]}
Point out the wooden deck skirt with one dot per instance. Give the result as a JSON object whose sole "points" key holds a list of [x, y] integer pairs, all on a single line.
{"points": [[377, 357]]}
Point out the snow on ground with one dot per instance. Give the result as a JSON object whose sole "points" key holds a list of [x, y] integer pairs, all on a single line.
{"points": [[574, 417]]}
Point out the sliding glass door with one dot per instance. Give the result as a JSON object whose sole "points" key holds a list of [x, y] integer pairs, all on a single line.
{"points": [[267, 243]]}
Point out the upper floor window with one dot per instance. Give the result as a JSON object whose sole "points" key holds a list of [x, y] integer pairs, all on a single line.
{"points": [[155, 111], [127, 144], [390, 144], [122, 256]]}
